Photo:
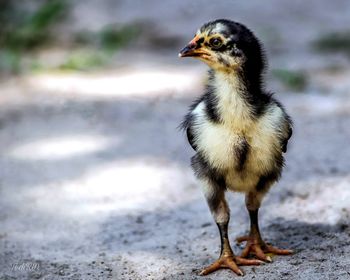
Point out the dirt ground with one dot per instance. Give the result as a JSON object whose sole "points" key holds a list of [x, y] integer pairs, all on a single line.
{"points": [[95, 180]]}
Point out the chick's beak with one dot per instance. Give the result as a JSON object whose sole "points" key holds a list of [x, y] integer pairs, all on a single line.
{"points": [[193, 49], [189, 50]]}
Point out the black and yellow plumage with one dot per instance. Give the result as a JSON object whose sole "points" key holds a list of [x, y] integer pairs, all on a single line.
{"points": [[238, 131]]}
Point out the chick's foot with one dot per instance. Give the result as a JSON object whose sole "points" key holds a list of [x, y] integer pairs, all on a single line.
{"points": [[230, 262], [261, 250]]}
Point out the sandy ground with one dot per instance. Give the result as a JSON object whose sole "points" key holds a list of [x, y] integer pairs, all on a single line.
{"points": [[95, 177]]}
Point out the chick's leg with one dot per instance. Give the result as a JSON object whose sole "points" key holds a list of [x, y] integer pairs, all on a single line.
{"points": [[218, 206], [255, 244]]}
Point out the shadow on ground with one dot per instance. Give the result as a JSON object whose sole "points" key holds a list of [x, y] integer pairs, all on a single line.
{"points": [[175, 247]]}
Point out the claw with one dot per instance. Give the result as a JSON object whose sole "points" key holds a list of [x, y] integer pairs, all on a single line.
{"points": [[243, 261], [278, 251]]}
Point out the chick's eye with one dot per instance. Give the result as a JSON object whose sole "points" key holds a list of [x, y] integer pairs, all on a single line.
{"points": [[215, 42]]}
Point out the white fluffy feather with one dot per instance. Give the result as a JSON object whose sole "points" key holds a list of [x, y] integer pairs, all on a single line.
{"points": [[218, 141]]}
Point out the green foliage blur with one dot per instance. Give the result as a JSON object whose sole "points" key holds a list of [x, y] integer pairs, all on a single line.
{"points": [[104, 43], [334, 42], [292, 80], [23, 30], [26, 27], [111, 37]]}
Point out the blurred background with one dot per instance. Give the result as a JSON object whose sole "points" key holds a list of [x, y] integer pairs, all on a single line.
{"points": [[95, 180]]}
